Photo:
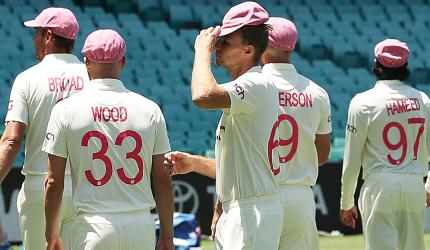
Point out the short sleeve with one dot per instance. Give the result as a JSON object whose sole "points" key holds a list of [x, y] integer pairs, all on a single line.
{"points": [[161, 143], [55, 138], [17, 108], [246, 93], [325, 123]]}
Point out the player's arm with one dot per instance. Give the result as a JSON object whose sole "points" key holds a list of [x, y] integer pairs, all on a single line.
{"points": [[322, 144], [162, 184], [322, 136], [205, 91], [184, 163], [356, 134], [54, 185], [10, 144]]}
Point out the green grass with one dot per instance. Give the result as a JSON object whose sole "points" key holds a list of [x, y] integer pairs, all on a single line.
{"points": [[355, 242]]}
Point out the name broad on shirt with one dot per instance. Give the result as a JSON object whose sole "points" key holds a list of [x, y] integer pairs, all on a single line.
{"points": [[65, 83]]}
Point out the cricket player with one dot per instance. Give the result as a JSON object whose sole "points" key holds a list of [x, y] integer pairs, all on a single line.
{"points": [[115, 140], [246, 187], [34, 93], [388, 135], [301, 136]]}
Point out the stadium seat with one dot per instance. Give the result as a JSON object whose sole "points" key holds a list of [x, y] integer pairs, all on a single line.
{"points": [[336, 154], [180, 16], [276, 10], [339, 142]]}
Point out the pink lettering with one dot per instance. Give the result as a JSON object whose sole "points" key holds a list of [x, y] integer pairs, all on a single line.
{"points": [[51, 83], [108, 114], [402, 106], [295, 99]]}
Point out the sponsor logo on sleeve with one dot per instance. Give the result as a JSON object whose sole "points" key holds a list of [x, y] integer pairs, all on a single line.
{"points": [[239, 91], [50, 136], [351, 128], [10, 106]]}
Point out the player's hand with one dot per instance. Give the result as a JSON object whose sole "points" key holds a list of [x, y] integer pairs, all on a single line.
{"points": [[54, 243], [178, 163], [428, 200], [205, 41], [215, 218], [165, 244], [349, 217]]}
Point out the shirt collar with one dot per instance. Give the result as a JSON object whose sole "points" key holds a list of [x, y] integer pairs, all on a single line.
{"points": [[388, 82], [64, 57], [254, 69], [278, 68], [107, 84]]}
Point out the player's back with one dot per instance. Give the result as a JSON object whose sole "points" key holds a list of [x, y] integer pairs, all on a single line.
{"points": [[304, 111], [113, 134], [397, 118], [34, 94]]}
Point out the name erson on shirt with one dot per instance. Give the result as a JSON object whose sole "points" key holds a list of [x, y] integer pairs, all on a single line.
{"points": [[65, 83], [402, 106], [109, 114], [295, 99]]}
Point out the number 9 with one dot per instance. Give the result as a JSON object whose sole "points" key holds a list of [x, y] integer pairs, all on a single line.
{"points": [[274, 142], [403, 142]]}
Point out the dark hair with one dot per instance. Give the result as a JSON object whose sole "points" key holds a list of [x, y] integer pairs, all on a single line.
{"points": [[258, 37], [383, 73], [62, 43]]}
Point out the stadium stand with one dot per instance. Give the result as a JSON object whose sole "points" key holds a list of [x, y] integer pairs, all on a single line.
{"points": [[336, 39]]}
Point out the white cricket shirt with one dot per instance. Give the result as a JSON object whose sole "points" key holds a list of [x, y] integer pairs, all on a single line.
{"points": [[110, 135], [243, 134], [304, 111], [34, 94], [387, 131]]}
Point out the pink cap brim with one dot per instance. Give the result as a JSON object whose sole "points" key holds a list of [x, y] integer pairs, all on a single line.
{"points": [[31, 23], [229, 30]]}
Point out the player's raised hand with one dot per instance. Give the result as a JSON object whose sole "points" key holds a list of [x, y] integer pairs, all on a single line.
{"points": [[55, 244], [205, 41], [179, 163], [349, 217]]}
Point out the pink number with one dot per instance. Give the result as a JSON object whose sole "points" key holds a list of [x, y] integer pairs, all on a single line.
{"points": [[274, 142], [403, 142], [133, 154], [10, 106], [101, 155], [420, 121]]}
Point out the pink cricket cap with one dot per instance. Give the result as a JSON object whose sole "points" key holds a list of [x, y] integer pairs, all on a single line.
{"points": [[283, 35], [246, 13], [392, 53], [104, 46], [59, 21]]}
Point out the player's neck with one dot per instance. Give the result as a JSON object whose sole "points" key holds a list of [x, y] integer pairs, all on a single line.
{"points": [[239, 70]]}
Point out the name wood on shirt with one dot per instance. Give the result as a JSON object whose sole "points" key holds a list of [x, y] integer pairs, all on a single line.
{"points": [[109, 114], [65, 83], [402, 106], [295, 99]]}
